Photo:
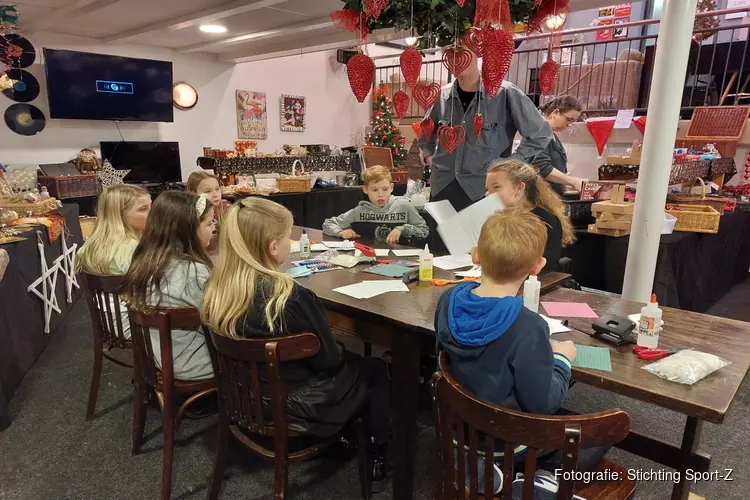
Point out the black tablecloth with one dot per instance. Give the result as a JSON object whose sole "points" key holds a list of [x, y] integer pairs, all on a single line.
{"points": [[22, 337], [693, 270]]}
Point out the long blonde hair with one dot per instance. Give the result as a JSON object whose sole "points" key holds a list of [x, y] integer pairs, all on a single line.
{"points": [[111, 230], [246, 270], [538, 192], [194, 180]]}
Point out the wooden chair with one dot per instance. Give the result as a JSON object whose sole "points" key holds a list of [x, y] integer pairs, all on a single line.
{"points": [[103, 299], [239, 365], [457, 413], [148, 377]]}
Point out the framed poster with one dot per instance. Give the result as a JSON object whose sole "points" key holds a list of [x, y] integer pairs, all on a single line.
{"points": [[604, 34], [292, 109], [623, 9], [620, 32], [607, 11], [252, 117]]}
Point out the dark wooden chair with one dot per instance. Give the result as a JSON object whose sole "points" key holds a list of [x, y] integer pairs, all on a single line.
{"points": [[239, 365], [458, 413], [149, 378], [103, 298]]}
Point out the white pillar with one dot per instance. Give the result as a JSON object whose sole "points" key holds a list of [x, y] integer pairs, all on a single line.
{"points": [[672, 48]]}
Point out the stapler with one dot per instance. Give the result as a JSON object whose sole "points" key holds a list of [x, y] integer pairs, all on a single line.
{"points": [[614, 330], [409, 276]]}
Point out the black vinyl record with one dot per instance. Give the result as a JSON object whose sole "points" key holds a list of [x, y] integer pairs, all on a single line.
{"points": [[25, 119], [25, 88], [27, 56]]}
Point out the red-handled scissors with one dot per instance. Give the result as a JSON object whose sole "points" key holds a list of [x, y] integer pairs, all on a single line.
{"points": [[651, 354]]}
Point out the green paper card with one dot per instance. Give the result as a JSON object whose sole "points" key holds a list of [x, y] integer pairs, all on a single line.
{"points": [[388, 270], [596, 358]]}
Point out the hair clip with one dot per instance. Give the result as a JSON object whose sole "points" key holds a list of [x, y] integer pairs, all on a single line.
{"points": [[200, 205]]}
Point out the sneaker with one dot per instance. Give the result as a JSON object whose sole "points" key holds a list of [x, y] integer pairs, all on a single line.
{"points": [[380, 473], [545, 487]]}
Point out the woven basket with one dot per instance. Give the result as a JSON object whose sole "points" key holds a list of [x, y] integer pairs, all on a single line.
{"points": [[300, 184], [718, 203], [38, 208], [71, 186], [695, 218], [87, 226]]}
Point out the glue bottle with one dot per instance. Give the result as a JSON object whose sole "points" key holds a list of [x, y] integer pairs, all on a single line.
{"points": [[649, 325], [304, 245], [425, 265], [531, 289]]}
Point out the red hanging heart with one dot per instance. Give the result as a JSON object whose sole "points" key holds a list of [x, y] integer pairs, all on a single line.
{"points": [[460, 2], [451, 137], [478, 123], [361, 71], [427, 126], [373, 8], [548, 76], [473, 40], [401, 103], [456, 61], [411, 65], [498, 52], [600, 130], [417, 128], [426, 94]]}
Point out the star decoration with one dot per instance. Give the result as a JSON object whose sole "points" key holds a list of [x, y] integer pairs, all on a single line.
{"points": [[109, 177]]}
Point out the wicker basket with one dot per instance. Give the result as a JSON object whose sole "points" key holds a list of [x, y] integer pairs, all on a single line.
{"points": [[22, 208], [711, 123], [87, 226], [718, 203], [71, 186], [695, 218], [297, 184], [579, 212]]}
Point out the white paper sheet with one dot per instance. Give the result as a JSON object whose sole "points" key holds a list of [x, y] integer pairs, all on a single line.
{"points": [[474, 272], [449, 262], [555, 325], [461, 232], [382, 252], [624, 118], [318, 247], [294, 247], [372, 288], [408, 253], [441, 211], [340, 245]]}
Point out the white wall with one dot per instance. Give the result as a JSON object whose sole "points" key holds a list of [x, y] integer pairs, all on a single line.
{"points": [[333, 113]]}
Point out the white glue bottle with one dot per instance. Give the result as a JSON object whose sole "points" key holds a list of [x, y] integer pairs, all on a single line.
{"points": [[531, 289], [649, 324], [425, 265], [304, 245]]}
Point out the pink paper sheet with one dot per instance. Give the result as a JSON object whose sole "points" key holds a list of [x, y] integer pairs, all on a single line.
{"points": [[569, 309]]}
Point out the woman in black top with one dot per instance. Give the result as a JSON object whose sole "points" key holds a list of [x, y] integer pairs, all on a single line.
{"points": [[552, 163], [248, 296], [519, 186]]}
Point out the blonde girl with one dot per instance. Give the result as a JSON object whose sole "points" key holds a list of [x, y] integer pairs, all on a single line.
{"points": [[248, 296], [208, 184], [122, 212], [520, 187]]}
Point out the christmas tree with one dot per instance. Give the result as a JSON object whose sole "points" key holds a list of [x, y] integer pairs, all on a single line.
{"points": [[705, 22], [384, 133]]}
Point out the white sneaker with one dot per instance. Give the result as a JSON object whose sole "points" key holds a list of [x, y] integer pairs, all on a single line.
{"points": [[545, 487]]}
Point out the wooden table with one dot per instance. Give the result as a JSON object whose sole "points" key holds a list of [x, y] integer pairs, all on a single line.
{"points": [[401, 322], [706, 400]]}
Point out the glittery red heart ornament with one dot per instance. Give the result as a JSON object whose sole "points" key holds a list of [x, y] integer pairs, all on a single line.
{"points": [[493, 12], [375, 7], [478, 123], [548, 76], [361, 71], [411, 65], [498, 52], [427, 126], [456, 61], [401, 103], [426, 94], [451, 137], [473, 40], [460, 2]]}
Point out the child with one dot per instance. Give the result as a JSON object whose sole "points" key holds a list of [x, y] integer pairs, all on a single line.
{"points": [[169, 269], [249, 297], [382, 218], [519, 186], [203, 183], [498, 349], [122, 212]]}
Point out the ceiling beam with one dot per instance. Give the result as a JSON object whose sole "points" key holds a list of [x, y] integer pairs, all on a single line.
{"points": [[78, 7], [205, 16], [315, 24]]}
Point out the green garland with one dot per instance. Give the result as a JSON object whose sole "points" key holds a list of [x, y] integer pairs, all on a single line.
{"points": [[435, 21]]}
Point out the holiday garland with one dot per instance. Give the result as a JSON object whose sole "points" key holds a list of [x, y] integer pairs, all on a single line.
{"points": [[384, 133]]}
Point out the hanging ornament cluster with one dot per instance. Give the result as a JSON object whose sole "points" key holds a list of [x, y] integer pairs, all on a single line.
{"points": [[544, 9], [489, 12], [498, 47], [374, 8], [548, 76], [361, 71]]}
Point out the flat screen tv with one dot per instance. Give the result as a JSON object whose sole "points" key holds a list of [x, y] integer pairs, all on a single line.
{"points": [[148, 162], [86, 86]]}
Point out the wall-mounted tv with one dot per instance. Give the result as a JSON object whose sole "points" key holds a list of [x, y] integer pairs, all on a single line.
{"points": [[86, 86], [148, 162]]}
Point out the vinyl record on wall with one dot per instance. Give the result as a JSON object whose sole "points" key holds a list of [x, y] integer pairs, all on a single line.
{"points": [[25, 87], [25, 119], [27, 54]]}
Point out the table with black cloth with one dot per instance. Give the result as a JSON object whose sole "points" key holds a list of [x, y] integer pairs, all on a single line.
{"points": [[22, 337], [693, 270]]}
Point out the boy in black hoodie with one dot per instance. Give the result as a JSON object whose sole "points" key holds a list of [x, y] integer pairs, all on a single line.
{"points": [[498, 349]]}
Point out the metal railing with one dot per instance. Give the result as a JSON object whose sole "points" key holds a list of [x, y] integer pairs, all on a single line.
{"points": [[608, 75]]}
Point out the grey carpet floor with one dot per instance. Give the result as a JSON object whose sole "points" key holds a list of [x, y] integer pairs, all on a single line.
{"points": [[51, 453]]}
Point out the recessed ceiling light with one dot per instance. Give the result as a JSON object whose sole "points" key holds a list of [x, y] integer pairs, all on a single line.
{"points": [[213, 28]]}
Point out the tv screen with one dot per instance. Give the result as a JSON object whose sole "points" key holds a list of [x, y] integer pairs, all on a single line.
{"points": [[148, 162], [88, 86]]}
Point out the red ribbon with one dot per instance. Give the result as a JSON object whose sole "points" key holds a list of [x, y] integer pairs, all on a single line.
{"points": [[600, 130]]}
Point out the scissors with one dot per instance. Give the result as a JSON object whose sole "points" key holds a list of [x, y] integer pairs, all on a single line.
{"points": [[651, 354], [442, 282]]}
